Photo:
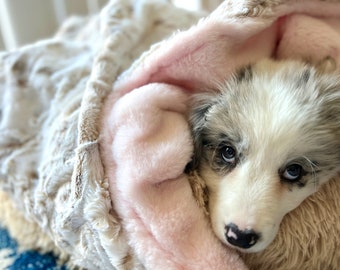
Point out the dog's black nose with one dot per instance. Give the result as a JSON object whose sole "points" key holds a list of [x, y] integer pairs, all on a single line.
{"points": [[238, 238]]}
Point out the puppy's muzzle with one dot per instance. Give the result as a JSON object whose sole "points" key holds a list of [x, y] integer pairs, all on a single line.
{"points": [[242, 239]]}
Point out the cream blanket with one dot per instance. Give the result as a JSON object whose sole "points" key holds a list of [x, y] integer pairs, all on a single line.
{"points": [[51, 94], [106, 182]]}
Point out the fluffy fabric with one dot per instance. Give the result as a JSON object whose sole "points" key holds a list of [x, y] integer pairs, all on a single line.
{"points": [[51, 97], [146, 145], [237, 33], [100, 168]]}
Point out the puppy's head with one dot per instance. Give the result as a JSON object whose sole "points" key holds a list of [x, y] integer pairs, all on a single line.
{"points": [[264, 141]]}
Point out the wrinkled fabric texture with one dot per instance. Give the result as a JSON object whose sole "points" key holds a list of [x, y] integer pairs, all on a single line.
{"points": [[145, 119], [94, 135], [51, 97], [146, 146]]}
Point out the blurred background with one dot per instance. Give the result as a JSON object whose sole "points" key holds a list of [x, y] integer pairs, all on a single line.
{"points": [[25, 21]]}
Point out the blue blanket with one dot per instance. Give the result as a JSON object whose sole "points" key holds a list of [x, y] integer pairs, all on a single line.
{"points": [[14, 258]]}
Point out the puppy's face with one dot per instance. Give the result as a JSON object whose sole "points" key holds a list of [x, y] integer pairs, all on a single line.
{"points": [[265, 141]]}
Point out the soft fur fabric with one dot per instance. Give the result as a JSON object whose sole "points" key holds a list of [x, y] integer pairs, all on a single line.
{"points": [[145, 157], [235, 34], [130, 205], [51, 97]]}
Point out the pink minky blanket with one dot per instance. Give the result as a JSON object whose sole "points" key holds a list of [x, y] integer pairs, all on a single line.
{"points": [[146, 139]]}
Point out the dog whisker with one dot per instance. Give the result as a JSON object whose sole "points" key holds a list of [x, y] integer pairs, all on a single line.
{"points": [[313, 171]]}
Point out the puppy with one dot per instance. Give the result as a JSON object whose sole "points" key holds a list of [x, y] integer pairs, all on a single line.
{"points": [[264, 141]]}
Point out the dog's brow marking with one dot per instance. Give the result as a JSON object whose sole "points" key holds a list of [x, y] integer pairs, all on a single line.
{"points": [[224, 139]]}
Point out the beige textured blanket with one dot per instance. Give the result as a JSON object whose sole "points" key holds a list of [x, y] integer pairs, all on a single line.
{"points": [[51, 94]]}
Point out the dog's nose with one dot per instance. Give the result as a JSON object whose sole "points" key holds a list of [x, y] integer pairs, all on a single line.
{"points": [[238, 238]]}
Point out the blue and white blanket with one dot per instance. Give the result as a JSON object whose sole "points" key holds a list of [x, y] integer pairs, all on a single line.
{"points": [[12, 257]]}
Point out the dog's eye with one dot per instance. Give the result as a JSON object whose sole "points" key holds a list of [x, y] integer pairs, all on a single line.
{"points": [[228, 154], [293, 173]]}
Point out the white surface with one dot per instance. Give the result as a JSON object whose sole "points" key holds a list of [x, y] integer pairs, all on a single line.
{"points": [[25, 21]]}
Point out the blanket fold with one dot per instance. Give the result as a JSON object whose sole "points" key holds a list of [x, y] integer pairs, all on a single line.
{"points": [[149, 146], [235, 34], [94, 137]]}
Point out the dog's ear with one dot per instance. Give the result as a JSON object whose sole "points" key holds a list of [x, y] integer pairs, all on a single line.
{"points": [[200, 107], [326, 65]]}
